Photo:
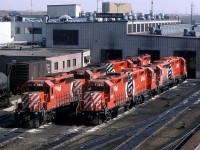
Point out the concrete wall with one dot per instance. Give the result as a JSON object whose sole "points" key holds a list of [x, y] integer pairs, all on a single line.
{"points": [[59, 10], [5, 32], [22, 36], [95, 36]]}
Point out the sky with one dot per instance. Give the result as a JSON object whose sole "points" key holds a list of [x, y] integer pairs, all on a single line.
{"points": [[143, 6]]}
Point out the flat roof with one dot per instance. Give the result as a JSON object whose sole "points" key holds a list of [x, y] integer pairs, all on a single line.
{"points": [[39, 52], [64, 5]]}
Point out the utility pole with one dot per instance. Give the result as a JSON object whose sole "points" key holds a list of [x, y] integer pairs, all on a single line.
{"points": [[32, 23], [192, 7]]}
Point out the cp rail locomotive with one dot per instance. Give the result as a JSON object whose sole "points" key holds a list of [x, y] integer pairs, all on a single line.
{"points": [[99, 92], [43, 97], [107, 96]]}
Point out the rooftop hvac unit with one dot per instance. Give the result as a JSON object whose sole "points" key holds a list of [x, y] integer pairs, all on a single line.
{"points": [[135, 17], [192, 33], [147, 16], [185, 32], [158, 32]]}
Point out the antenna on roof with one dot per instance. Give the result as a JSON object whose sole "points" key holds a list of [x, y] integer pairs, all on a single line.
{"points": [[192, 7], [31, 7], [151, 11]]}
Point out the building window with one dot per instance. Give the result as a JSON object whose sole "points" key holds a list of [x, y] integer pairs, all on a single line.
{"points": [[68, 63], [138, 27], [65, 37], [17, 30], [146, 27], [134, 27], [142, 27], [37, 30], [29, 30], [56, 66], [63, 64], [74, 62], [130, 28], [87, 59]]}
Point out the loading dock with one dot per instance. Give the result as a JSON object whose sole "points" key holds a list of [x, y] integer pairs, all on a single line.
{"points": [[109, 54], [155, 54], [190, 57]]}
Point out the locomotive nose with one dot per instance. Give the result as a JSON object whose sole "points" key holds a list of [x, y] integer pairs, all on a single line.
{"points": [[30, 101], [92, 101]]}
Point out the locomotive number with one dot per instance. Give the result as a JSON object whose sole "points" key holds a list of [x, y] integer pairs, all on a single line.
{"points": [[142, 78], [115, 88], [58, 88], [177, 65]]}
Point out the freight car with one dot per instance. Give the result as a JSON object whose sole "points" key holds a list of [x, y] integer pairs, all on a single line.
{"points": [[4, 94], [114, 93], [24, 71]]}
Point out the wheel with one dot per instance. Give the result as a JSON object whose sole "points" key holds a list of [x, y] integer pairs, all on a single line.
{"points": [[36, 123]]}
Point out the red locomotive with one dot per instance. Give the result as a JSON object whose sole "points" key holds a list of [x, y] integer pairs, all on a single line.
{"points": [[116, 92], [103, 91], [129, 62], [42, 97]]}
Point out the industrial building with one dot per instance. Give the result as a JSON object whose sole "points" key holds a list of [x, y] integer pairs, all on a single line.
{"points": [[116, 35], [62, 60]]}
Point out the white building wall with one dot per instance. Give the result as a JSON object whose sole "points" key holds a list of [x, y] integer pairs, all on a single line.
{"points": [[64, 58], [22, 36], [59, 10], [5, 32]]}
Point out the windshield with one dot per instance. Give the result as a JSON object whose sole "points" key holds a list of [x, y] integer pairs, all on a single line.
{"points": [[96, 88], [79, 76], [35, 87]]}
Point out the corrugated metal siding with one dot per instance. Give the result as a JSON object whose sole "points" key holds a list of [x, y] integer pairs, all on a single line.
{"points": [[113, 35]]}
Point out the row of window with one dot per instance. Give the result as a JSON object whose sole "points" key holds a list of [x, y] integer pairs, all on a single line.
{"points": [[29, 30], [145, 27], [63, 64], [65, 37]]}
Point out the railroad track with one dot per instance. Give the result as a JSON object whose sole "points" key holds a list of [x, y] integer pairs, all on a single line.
{"points": [[137, 133], [143, 129], [181, 141], [150, 129], [6, 120], [81, 138], [11, 135]]}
